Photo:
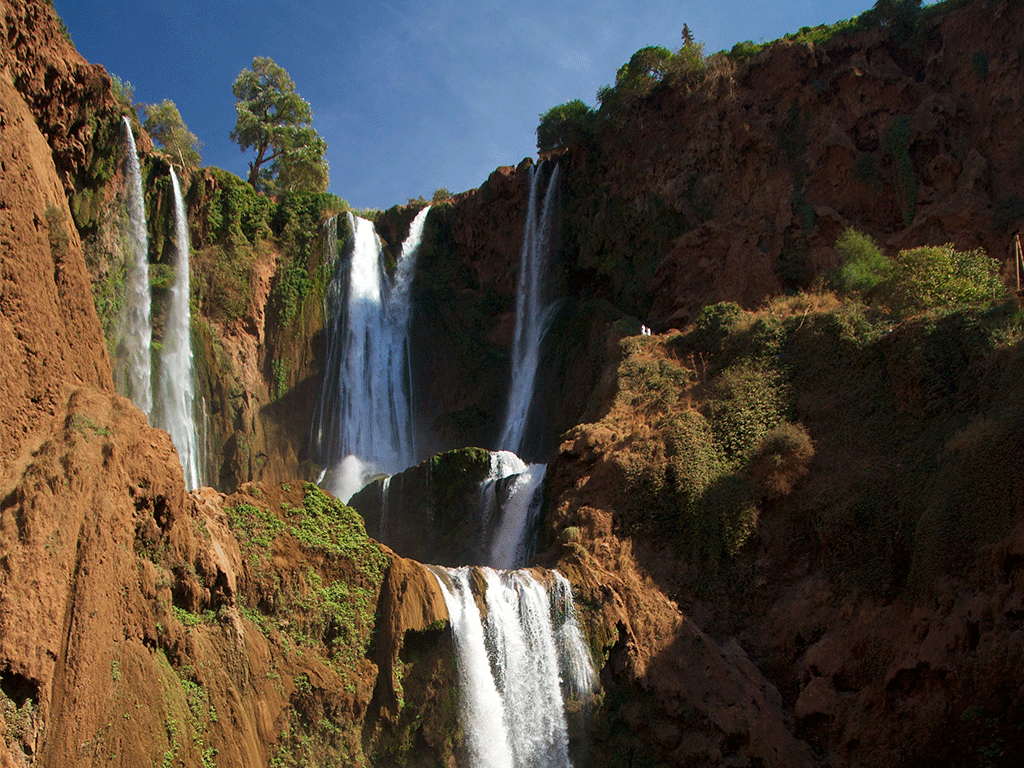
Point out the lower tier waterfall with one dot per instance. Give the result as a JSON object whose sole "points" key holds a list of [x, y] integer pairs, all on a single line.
{"points": [[510, 503], [518, 664]]}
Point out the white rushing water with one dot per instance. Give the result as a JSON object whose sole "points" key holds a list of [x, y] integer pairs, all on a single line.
{"points": [[516, 666], [364, 422], [132, 367], [533, 309], [175, 407], [510, 501]]}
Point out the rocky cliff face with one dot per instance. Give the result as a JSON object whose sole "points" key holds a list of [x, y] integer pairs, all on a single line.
{"points": [[737, 189], [794, 533]]}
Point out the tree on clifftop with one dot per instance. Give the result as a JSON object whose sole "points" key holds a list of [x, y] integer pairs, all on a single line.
{"points": [[164, 125], [275, 121]]}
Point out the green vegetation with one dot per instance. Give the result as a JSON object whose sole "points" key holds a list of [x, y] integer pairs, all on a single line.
{"points": [[566, 125], [256, 529], [276, 122], [938, 276], [727, 420], [863, 265], [324, 603], [84, 425], [164, 125], [916, 279], [124, 91], [654, 67], [331, 602], [650, 67], [326, 525]]}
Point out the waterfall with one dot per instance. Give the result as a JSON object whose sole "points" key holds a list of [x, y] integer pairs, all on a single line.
{"points": [[533, 313], [364, 422], [512, 489], [517, 665], [132, 365], [174, 410]]}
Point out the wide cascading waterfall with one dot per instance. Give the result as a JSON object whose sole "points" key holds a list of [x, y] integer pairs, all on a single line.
{"points": [[175, 407], [533, 309], [132, 367], [517, 665], [364, 422]]}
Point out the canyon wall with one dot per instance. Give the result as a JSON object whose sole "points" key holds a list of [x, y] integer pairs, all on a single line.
{"points": [[793, 528]]}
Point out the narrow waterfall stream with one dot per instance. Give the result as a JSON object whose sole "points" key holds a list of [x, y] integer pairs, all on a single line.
{"points": [[363, 424], [510, 508], [533, 309], [174, 409], [132, 364]]}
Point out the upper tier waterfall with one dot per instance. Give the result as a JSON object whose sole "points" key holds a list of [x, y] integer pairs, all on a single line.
{"points": [[174, 409], [364, 423], [533, 308], [132, 364]]}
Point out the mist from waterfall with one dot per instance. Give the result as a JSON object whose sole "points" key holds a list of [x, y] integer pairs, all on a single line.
{"points": [[132, 365], [363, 423], [533, 309], [518, 665], [174, 409]]}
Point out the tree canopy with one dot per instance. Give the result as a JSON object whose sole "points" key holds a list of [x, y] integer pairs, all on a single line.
{"points": [[276, 122], [164, 125]]}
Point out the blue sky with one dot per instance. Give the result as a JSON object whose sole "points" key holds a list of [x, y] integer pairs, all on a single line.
{"points": [[410, 96]]}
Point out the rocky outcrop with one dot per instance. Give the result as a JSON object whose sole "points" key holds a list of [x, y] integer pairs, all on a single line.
{"points": [[865, 609], [737, 190], [50, 335]]}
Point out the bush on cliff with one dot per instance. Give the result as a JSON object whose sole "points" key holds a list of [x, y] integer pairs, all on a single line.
{"points": [[937, 276], [566, 125], [917, 279], [863, 266]]}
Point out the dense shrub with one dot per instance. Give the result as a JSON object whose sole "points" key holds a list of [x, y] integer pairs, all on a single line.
{"points": [[748, 400], [937, 276], [863, 265], [781, 459], [917, 278], [566, 125]]}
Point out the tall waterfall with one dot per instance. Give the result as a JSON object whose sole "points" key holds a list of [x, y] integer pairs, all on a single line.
{"points": [[533, 310], [517, 665], [132, 367], [175, 407], [364, 423]]}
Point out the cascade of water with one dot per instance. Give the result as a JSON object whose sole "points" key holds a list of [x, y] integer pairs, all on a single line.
{"points": [[482, 707], [533, 312], [364, 421], [132, 367], [174, 409], [519, 500], [512, 665]]}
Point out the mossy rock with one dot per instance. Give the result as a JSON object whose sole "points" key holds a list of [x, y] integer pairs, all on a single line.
{"points": [[431, 512]]}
